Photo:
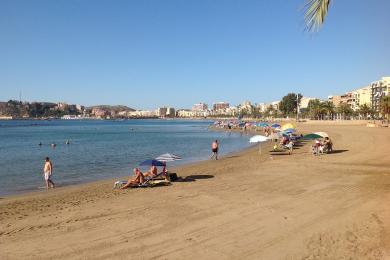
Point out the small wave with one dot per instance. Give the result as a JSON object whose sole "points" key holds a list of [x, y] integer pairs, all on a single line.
{"points": [[23, 125]]}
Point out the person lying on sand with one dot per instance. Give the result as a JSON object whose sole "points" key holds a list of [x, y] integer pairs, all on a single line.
{"points": [[137, 179]]}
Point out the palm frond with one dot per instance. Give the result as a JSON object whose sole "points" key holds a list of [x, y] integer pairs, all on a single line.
{"points": [[315, 13]]}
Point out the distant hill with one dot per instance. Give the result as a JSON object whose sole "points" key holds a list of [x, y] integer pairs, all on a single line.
{"points": [[113, 108]]}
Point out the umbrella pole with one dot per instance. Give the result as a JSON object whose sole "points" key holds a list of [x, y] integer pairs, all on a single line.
{"points": [[259, 147]]}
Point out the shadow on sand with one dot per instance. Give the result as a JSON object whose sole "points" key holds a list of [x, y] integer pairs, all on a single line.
{"points": [[232, 156], [279, 153], [338, 151], [195, 177]]}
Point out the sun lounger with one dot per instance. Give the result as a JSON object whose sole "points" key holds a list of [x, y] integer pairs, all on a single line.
{"points": [[157, 180]]}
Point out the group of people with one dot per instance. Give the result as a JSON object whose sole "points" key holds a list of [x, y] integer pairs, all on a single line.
{"points": [[287, 142], [140, 177], [320, 147], [268, 131], [54, 145]]}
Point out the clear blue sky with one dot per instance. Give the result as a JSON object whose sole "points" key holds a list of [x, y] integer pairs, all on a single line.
{"points": [[149, 53]]}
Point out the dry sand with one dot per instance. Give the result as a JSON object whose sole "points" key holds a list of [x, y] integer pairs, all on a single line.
{"points": [[244, 206]]}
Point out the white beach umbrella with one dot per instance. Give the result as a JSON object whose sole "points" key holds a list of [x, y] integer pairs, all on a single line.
{"points": [[258, 139], [323, 134], [168, 157]]}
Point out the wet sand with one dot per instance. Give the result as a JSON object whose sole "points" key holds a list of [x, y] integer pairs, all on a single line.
{"points": [[243, 206]]}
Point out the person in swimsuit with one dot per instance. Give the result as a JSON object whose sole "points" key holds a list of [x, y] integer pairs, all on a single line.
{"points": [[152, 172], [47, 172], [137, 179], [214, 149]]}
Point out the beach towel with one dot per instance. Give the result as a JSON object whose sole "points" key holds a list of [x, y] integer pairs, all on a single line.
{"points": [[119, 184]]}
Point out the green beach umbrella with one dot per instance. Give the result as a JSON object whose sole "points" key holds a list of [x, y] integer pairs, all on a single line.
{"points": [[311, 136]]}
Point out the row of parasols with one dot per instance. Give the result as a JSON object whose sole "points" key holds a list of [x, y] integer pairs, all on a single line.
{"points": [[311, 136], [286, 130]]}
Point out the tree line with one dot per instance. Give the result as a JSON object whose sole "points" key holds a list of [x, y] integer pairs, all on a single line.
{"points": [[317, 109], [18, 109]]}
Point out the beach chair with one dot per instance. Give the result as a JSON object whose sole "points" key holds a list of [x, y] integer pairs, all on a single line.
{"points": [[159, 179]]}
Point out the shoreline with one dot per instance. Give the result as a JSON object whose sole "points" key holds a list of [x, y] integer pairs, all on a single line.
{"points": [[246, 205], [23, 194]]}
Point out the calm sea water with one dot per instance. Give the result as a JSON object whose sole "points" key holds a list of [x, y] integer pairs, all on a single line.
{"points": [[98, 149]]}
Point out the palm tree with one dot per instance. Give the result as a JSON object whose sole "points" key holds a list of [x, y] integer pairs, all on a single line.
{"points": [[270, 110], [385, 106], [315, 13], [345, 110], [365, 110], [328, 108], [315, 108]]}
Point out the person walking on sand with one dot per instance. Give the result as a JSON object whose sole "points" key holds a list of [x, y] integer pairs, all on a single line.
{"points": [[47, 172], [214, 149]]}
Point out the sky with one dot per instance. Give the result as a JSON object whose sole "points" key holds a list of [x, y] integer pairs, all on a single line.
{"points": [[151, 53]]}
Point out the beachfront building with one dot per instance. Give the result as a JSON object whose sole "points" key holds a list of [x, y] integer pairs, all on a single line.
{"points": [[346, 98], [161, 111], [220, 106], [275, 105], [80, 108], [6, 117], [262, 107], [335, 100], [184, 113], [227, 112], [165, 112], [246, 107], [187, 113], [71, 117], [170, 112], [232, 111], [361, 96], [62, 106], [379, 89], [141, 114], [305, 102], [200, 107]]}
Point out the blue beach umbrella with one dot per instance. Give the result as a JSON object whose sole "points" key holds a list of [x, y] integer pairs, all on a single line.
{"points": [[152, 162], [290, 130], [275, 126], [262, 124]]}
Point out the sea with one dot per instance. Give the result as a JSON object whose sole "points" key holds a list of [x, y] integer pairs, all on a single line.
{"points": [[99, 149]]}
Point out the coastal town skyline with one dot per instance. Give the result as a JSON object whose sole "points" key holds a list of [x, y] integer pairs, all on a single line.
{"points": [[360, 101]]}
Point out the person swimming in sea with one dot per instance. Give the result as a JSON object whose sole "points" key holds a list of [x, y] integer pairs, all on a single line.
{"points": [[53, 145]]}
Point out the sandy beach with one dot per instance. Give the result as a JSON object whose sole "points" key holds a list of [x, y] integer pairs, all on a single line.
{"points": [[243, 206]]}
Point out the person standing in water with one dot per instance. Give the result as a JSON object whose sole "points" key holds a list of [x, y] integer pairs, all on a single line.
{"points": [[47, 172], [214, 149]]}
